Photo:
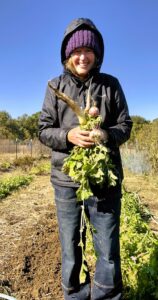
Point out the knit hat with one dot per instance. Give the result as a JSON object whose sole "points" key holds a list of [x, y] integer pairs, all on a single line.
{"points": [[82, 38]]}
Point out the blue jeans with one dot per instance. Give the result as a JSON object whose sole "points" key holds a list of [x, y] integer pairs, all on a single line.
{"points": [[105, 217]]}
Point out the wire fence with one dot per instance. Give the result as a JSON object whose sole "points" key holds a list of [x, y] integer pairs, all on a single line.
{"points": [[132, 158], [27, 148], [135, 160]]}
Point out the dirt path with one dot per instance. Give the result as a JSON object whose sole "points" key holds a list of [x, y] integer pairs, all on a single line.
{"points": [[29, 249]]}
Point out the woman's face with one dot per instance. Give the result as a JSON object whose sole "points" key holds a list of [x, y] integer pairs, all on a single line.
{"points": [[83, 60]]}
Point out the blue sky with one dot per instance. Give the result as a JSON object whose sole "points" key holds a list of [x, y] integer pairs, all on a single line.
{"points": [[31, 32]]}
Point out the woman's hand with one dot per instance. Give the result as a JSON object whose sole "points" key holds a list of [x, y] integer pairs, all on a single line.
{"points": [[85, 138], [80, 138]]}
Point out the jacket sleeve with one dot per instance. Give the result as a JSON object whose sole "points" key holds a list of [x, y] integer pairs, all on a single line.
{"points": [[120, 131], [50, 133]]}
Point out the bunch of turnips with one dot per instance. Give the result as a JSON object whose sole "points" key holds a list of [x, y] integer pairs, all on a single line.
{"points": [[88, 166]]}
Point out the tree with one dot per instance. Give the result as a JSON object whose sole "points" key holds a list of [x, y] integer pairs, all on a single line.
{"points": [[29, 126], [147, 141], [24, 127], [138, 123], [5, 120]]}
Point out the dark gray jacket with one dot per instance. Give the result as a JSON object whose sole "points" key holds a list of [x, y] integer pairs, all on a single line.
{"points": [[57, 118]]}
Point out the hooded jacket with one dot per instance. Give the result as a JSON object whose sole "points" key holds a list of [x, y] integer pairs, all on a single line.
{"points": [[57, 118]]}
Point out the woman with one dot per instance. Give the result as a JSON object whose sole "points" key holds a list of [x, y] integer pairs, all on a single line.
{"points": [[82, 52]]}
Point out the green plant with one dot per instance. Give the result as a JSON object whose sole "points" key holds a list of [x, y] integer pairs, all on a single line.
{"points": [[13, 183], [89, 166], [139, 251]]}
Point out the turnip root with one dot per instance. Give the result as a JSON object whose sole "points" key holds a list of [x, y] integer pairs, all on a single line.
{"points": [[94, 111], [97, 135]]}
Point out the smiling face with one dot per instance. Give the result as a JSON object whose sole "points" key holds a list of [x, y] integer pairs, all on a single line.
{"points": [[82, 61]]}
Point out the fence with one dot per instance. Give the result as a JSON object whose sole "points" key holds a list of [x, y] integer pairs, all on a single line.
{"points": [[135, 160], [27, 147], [132, 158]]}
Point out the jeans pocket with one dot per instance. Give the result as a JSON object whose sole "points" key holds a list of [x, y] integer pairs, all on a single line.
{"points": [[64, 194]]}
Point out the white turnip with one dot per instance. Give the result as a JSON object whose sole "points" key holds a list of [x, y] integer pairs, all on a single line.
{"points": [[94, 111]]}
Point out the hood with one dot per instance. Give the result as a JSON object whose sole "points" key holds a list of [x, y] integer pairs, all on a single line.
{"points": [[79, 24]]}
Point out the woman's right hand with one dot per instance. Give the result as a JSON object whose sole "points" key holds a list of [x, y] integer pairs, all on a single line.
{"points": [[80, 137]]}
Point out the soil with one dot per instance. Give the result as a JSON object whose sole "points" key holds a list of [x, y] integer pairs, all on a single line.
{"points": [[29, 250], [30, 260]]}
